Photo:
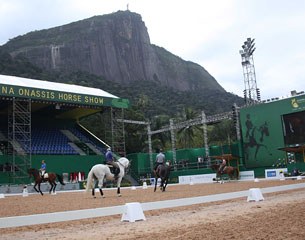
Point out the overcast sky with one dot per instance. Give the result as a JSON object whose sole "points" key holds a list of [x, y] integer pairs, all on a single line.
{"points": [[207, 32]]}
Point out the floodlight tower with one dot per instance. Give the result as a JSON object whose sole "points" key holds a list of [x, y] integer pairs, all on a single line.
{"points": [[251, 92]]}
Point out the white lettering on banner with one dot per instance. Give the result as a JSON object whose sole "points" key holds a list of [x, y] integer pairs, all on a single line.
{"points": [[200, 178], [246, 175]]}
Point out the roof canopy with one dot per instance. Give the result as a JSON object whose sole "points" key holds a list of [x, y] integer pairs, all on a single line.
{"points": [[45, 91], [297, 148]]}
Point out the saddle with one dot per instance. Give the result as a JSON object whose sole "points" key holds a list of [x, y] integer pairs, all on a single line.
{"points": [[113, 170], [222, 170], [45, 175]]}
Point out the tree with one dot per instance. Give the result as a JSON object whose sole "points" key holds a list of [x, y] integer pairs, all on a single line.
{"points": [[186, 135]]}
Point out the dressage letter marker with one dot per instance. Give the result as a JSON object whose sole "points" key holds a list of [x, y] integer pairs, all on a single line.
{"points": [[133, 212], [25, 192], [255, 194]]}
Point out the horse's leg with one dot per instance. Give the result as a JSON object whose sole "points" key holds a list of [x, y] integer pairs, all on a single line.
{"points": [[156, 180], [39, 189], [101, 192], [100, 186], [217, 176], [162, 184], [51, 186], [119, 187], [165, 183], [35, 187], [54, 189]]}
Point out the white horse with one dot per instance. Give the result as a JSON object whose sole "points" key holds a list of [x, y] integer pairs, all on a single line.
{"points": [[101, 171]]}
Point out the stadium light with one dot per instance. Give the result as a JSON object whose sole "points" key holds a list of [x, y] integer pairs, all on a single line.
{"points": [[248, 47]]}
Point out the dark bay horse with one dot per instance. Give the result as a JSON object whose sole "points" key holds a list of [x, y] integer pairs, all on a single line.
{"points": [[50, 178], [232, 172], [162, 172]]}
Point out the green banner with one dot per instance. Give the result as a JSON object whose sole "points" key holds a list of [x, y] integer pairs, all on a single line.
{"points": [[58, 96], [263, 130]]}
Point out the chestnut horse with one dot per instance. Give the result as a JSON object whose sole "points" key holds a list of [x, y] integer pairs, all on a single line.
{"points": [[232, 172], [50, 177]]}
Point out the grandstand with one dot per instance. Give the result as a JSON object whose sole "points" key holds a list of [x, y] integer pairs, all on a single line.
{"points": [[41, 120]]}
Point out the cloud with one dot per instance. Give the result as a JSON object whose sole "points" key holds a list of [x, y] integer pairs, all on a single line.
{"points": [[209, 33]]}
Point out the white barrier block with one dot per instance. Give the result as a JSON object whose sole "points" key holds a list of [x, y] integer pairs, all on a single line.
{"points": [[144, 185], [133, 212], [133, 188], [1, 195], [256, 180], [255, 194], [25, 192], [299, 178]]}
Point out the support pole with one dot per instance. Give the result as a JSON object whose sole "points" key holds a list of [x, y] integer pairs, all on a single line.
{"points": [[150, 147], [205, 135], [173, 138]]}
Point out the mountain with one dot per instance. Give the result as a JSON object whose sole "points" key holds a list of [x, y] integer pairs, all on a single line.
{"points": [[113, 52]]}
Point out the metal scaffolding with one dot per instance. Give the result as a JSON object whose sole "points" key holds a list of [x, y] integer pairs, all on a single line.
{"points": [[202, 120], [251, 92], [118, 132], [19, 139]]}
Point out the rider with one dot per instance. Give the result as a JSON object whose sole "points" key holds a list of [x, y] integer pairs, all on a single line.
{"points": [[43, 169], [222, 165], [110, 161], [160, 159]]}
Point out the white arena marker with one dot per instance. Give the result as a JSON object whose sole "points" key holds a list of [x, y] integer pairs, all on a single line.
{"points": [[256, 180], [255, 194], [1, 195], [144, 185], [133, 188], [299, 178], [25, 192], [133, 212]]}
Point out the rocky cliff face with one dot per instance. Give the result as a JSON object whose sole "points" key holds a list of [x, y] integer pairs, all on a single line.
{"points": [[115, 46]]}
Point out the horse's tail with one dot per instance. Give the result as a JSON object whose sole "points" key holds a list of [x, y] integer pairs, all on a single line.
{"points": [[89, 181], [60, 179]]}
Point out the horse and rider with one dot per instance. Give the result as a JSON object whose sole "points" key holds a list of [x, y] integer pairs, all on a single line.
{"points": [[100, 172], [161, 170], [220, 169], [41, 176]]}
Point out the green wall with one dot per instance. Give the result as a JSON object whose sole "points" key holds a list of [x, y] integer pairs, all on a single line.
{"points": [[262, 130]]}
